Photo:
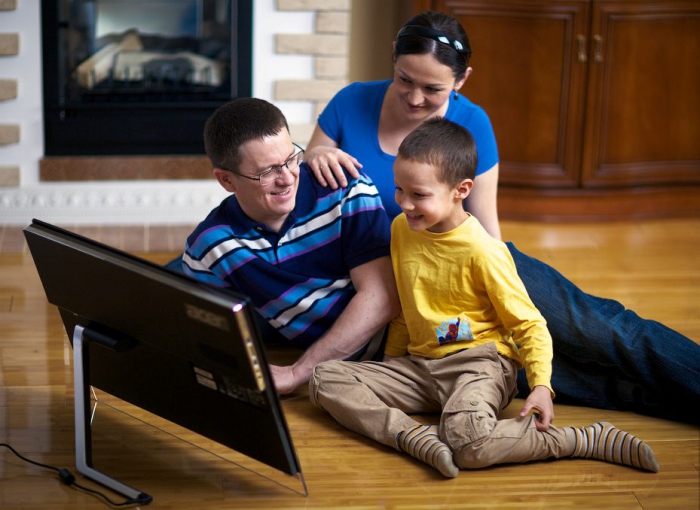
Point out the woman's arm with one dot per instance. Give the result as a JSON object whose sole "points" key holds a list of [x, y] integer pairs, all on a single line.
{"points": [[481, 202], [326, 160]]}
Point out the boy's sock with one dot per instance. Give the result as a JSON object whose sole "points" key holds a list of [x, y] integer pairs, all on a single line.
{"points": [[604, 441], [423, 443]]}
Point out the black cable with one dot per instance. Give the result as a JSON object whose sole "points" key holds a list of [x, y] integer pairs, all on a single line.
{"points": [[68, 479]]}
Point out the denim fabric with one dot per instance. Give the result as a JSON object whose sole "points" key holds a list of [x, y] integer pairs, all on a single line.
{"points": [[607, 356]]}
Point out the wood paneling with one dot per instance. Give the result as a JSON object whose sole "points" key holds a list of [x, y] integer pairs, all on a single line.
{"points": [[588, 98]]}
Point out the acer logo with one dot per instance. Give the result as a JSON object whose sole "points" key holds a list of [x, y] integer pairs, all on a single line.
{"points": [[205, 317]]}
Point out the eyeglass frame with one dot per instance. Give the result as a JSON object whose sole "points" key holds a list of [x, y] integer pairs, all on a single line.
{"points": [[277, 168]]}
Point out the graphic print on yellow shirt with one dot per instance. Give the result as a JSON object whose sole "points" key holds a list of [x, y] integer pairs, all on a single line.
{"points": [[454, 331]]}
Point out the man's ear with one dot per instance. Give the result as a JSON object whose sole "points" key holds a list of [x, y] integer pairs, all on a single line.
{"points": [[226, 179], [463, 189]]}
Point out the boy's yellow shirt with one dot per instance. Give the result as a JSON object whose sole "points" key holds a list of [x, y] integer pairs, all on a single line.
{"points": [[460, 289]]}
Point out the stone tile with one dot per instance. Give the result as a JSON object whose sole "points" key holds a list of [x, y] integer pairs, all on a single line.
{"points": [[133, 238], [314, 5], [13, 240], [115, 168], [130, 238], [92, 232], [112, 235], [311, 44], [331, 67], [9, 44], [8, 89], [158, 238], [9, 175], [319, 107], [309, 90], [301, 133], [333, 22], [178, 236], [9, 134]]}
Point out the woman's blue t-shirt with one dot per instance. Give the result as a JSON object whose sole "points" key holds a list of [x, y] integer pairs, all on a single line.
{"points": [[352, 120]]}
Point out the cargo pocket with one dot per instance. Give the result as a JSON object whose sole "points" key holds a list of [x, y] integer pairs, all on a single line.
{"points": [[467, 421]]}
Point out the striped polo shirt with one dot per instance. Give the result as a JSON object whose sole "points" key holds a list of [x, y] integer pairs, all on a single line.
{"points": [[298, 279]]}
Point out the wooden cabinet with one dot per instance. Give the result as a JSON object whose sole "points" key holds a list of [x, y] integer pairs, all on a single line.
{"points": [[595, 103]]}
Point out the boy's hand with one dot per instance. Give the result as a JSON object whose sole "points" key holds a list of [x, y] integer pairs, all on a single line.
{"points": [[540, 402]]}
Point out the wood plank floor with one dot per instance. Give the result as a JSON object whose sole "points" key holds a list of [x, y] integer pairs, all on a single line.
{"points": [[653, 267]]}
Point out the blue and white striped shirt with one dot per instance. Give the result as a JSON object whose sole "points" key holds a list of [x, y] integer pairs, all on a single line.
{"points": [[298, 279]]}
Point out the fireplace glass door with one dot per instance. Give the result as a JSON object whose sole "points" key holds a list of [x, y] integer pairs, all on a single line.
{"points": [[140, 76]]}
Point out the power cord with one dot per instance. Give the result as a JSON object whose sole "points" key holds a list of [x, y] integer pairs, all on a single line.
{"points": [[69, 479]]}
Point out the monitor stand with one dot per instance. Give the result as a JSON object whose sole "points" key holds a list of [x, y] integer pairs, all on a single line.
{"points": [[82, 337], [83, 441]]}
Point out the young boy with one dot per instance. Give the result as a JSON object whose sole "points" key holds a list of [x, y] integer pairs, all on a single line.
{"points": [[467, 325]]}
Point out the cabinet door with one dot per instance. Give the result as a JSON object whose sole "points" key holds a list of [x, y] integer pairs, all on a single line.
{"points": [[529, 78], [643, 105]]}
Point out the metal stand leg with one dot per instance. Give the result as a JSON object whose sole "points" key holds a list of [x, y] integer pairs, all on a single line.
{"points": [[83, 445]]}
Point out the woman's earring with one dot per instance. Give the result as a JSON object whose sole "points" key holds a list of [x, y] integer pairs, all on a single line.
{"points": [[455, 97]]}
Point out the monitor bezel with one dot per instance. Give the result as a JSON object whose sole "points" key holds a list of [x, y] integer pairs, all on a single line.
{"points": [[255, 378]]}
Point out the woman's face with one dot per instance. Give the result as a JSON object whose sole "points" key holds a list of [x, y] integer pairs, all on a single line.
{"points": [[423, 85]]}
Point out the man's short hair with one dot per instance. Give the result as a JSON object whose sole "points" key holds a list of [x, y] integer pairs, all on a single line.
{"points": [[444, 145], [236, 123]]}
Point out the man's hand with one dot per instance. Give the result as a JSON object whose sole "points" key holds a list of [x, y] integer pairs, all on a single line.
{"points": [[289, 378], [283, 378], [540, 402]]}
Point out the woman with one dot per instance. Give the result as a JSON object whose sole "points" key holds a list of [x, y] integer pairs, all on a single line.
{"points": [[604, 355]]}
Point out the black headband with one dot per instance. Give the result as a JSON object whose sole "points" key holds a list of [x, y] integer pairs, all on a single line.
{"points": [[435, 35]]}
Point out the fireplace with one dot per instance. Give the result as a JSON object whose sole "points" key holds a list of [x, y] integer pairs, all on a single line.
{"points": [[140, 77]]}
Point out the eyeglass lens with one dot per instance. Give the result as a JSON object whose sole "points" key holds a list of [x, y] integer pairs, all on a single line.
{"points": [[269, 177]]}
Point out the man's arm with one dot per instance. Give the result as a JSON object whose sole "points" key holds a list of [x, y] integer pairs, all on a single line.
{"points": [[373, 306]]}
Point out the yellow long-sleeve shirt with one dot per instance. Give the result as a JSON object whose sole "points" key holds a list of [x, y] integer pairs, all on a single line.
{"points": [[460, 289]]}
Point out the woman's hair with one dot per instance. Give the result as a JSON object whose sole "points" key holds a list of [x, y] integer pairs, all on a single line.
{"points": [[444, 145], [440, 35], [236, 123]]}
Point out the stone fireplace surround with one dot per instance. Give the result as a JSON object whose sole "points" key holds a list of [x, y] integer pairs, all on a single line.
{"points": [[166, 189]]}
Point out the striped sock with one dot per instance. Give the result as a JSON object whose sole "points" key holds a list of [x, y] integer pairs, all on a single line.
{"points": [[423, 443], [604, 441]]}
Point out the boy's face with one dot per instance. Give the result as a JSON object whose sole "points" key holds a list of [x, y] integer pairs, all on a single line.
{"points": [[428, 203], [269, 204]]}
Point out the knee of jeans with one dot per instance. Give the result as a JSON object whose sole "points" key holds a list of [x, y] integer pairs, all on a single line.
{"points": [[476, 455], [463, 429], [323, 375]]}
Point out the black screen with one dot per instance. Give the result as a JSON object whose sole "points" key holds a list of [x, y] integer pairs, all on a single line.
{"points": [[164, 342]]}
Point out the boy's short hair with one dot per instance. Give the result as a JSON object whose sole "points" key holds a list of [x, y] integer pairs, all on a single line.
{"points": [[444, 145], [236, 123]]}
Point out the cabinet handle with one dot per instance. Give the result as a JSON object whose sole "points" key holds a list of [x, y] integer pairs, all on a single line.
{"points": [[581, 48], [598, 54]]}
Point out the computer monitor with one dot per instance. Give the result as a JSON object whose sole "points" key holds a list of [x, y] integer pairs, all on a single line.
{"points": [[178, 348]]}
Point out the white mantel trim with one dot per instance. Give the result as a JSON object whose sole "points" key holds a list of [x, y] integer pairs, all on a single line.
{"points": [[137, 203]]}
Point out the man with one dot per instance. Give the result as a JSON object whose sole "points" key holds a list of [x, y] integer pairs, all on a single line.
{"points": [[314, 261]]}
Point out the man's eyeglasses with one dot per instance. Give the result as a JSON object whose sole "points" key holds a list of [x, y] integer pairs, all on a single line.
{"points": [[269, 176]]}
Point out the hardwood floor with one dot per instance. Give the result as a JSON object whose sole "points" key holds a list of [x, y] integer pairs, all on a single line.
{"points": [[653, 267]]}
